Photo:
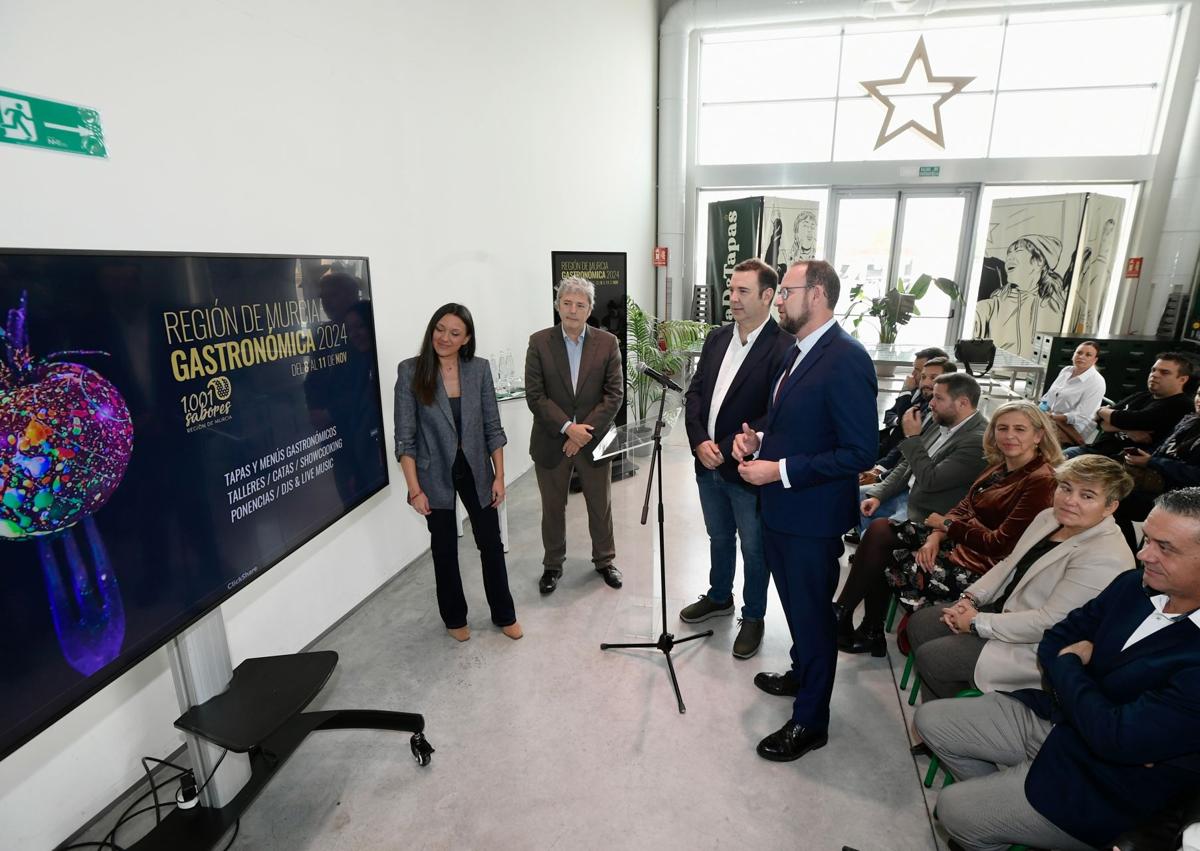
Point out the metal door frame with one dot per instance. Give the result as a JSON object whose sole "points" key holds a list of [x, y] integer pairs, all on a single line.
{"points": [[901, 193]]}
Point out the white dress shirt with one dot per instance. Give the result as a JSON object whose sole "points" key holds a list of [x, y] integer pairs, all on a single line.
{"points": [[574, 355], [805, 346], [1078, 397], [1157, 620], [735, 355]]}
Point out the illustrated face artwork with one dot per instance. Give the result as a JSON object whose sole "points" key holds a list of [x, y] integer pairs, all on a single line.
{"points": [[1021, 267]]}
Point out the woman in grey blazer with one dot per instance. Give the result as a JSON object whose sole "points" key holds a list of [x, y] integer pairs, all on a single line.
{"points": [[449, 441], [1068, 554]]}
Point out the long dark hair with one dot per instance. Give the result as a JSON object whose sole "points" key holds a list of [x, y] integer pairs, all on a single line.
{"points": [[425, 377]]}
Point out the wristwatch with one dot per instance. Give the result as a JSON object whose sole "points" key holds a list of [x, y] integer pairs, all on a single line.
{"points": [[946, 521], [973, 628]]}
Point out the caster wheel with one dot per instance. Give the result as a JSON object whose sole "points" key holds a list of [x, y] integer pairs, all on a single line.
{"points": [[422, 751]]}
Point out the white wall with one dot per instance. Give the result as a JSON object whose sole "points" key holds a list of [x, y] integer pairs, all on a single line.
{"points": [[455, 144]]}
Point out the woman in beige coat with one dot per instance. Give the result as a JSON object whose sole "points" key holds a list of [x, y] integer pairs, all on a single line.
{"points": [[1070, 552]]}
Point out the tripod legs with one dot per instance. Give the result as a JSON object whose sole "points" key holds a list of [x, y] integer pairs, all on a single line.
{"points": [[666, 643]]}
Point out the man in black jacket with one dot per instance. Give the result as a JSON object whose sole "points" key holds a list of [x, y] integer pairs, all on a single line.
{"points": [[911, 393], [1145, 418], [731, 386]]}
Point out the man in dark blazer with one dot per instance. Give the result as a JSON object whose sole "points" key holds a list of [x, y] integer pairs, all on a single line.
{"points": [[1115, 738], [910, 394], [731, 386], [574, 384], [939, 458], [819, 432]]}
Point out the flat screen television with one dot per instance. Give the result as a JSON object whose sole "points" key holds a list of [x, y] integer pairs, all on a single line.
{"points": [[171, 426]]}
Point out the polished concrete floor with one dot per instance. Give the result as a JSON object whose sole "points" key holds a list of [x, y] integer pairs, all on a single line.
{"points": [[548, 742]]}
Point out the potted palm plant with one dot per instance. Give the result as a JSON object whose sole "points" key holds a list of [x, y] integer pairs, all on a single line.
{"points": [[660, 344], [895, 307]]}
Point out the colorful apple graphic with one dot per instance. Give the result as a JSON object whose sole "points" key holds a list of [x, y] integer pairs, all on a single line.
{"points": [[65, 438], [65, 442]]}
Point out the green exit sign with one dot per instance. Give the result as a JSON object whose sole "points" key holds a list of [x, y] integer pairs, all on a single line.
{"points": [[930, 171], [26, 120]]}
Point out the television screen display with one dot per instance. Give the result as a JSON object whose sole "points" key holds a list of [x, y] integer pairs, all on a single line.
{"points": [[170, 427]]}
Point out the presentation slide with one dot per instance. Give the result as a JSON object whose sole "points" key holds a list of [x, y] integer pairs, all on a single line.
{"points": [[171, 426]]}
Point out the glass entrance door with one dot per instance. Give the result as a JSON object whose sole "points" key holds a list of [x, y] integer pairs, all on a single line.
{"points": [[881, 237]]}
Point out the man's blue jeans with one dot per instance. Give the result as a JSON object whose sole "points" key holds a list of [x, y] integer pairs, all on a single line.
{"points": [[731, 511], [895, 507]]}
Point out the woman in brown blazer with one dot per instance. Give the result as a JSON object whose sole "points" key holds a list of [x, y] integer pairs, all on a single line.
{"points": [[934, 559]]}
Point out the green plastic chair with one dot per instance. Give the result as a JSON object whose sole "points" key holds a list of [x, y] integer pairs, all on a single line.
{"points": [[891, 613], [909, 671]]}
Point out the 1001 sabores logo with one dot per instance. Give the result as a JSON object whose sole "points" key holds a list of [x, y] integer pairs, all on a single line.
{"points": [[208, 407]]}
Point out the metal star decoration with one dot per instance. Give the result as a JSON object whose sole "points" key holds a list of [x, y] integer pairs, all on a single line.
{"points": [[873, 87]]}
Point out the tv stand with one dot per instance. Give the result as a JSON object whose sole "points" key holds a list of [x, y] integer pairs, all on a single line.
{"points": [[260, 713]]}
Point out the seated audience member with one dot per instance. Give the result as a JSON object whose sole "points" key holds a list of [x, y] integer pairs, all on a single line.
{"points": [[1145, 418], [940, 458], [911, 393], [961, 545], [1076, 395], [932, 369], [1174, 464], [1068, 554], [1115, 738]]}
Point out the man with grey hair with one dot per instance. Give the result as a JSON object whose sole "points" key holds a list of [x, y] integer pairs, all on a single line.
{"points": [[1118, 724], [574, 384]]}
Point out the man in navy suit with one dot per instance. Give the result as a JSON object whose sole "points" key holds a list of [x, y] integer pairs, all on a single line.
{"points": [[1116, 737], [820, 430], [732, 385]]}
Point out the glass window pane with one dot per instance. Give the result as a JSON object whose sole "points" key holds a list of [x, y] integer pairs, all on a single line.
{"points": [[1104, 52], [965, 52], [766, 132], [864, 247], [929, 240], [1079, 123], [966, 119], [775, 69]]}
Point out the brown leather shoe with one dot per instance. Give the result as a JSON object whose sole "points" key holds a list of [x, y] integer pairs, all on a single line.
{"points": [[461, 633], [513, 630]]}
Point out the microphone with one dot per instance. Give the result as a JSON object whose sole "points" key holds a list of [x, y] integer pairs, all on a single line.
{"points": [[660, 378]]}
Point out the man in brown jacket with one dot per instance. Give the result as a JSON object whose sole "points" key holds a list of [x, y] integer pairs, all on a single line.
{"points": [[574, 384]]}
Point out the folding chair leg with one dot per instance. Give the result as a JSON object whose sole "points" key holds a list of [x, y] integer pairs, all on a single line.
{"points": [[934, 763], [908, 667]]}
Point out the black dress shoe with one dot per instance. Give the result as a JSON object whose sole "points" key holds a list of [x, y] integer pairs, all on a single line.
{"points": [[920, 749], [612, 576], [549, 581], [864, 640], [780, 685], [791, 741]]}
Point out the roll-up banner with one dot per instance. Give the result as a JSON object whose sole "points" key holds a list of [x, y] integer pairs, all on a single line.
{"points": [[608, 270], [733, 236]]}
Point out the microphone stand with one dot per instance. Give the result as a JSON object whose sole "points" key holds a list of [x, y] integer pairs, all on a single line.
{"points": [[666, 641]]}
